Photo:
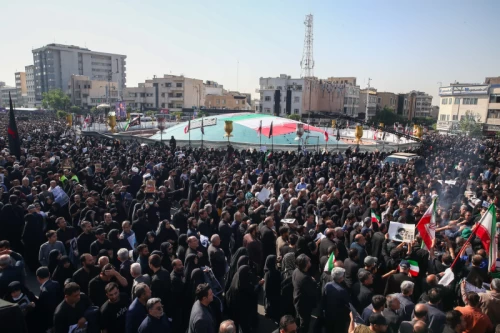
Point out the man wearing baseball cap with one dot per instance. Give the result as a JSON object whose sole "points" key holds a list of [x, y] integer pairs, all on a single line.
{"points": [[100, 243]]}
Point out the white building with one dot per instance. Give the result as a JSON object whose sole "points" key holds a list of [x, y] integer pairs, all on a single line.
{"points": [[423, 105], [30, 85], [4, 96], [170, 92], [459, 99], [87, 93], [55, 63], [281, 95]]}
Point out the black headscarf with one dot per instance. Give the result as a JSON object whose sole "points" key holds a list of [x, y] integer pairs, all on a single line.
{"points": [[53, 260], [190, 266], [62, 273], [164, 234], [233, 267], [151, 245]]}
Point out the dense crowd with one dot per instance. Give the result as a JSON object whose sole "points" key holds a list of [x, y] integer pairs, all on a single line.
{"points": [[130, 237]]}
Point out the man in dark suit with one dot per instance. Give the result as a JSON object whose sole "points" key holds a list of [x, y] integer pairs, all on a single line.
{"points": [[50, 296], [377, 241], [160, 284], [335, 303], [361, 292], [326, 242], [394, 281]]}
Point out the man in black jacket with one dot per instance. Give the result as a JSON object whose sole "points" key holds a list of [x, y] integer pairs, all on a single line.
{"points": [[225, 233], [377, 241], [50, 296], [217, 259], [12, 226], [268, 237], [177, 284], [361, 292], [304, 292], [160, 284]]}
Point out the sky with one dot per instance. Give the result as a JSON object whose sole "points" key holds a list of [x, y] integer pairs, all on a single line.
{"points": [[401, 45]]}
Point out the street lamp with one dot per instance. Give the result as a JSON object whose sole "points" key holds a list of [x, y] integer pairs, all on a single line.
{"points": [[160, 118]]}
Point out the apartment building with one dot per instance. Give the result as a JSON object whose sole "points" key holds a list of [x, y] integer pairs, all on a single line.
{"points": [[21, 89], [30, 86], [372, 103], [54, 64], [282, 95], [172, 92], [231, 100], [4, 96], [387, 100], [87, 93]]}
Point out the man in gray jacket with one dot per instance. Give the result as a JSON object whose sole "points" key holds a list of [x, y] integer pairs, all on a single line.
{"points": [[201, 320], [51, 244]]}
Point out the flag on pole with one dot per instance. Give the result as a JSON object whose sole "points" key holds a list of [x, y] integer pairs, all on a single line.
{"points": [[14, 142], [374, 134], [268, 155], [259, 130], [375, 217], [134, 122], [325, 133], [202, 129], [486, 230], [330, 263], [188, 127], [427, 225], [271, 130]]}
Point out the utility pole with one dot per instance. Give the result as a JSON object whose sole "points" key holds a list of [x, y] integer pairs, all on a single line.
{"points": [[367, 99]]}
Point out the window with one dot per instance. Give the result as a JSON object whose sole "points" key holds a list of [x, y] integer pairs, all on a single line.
{"points": [[267, 98], [178, 106], [296, 99], [268, 110], [279, 87], [443, 101], [143, 95], [131, 94], [470, 101], [296, 111], [494, 114], [168, 85], [449, 100], [442, 117], [237, 102], [379, 100], [223, 101], [217, 101], [299, 87], [457, 100], [162, 94], [495, 98], [162, 105], [448, 117], [178, 84], [178, 95], [455, 117]]}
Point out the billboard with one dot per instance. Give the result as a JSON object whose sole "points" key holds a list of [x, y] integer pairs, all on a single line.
{"points": [[464, 90], [121, 109]]}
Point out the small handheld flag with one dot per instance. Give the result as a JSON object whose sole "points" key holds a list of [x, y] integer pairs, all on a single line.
{"points": [[375, 217], [330, 263]]}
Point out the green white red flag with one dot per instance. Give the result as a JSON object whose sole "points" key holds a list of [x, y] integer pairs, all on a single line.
{"points": [[330, 263], [427, 225], [413, 268], [375, 217], [486, 230]]}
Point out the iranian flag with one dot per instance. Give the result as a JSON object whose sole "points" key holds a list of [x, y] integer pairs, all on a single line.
{"points": [[413, 268], [329, 263], [427, 225], [375, 217], [325, 134], [486, 230]]}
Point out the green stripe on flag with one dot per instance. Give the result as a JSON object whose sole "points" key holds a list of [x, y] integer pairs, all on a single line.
{"points": [[330, 263]]}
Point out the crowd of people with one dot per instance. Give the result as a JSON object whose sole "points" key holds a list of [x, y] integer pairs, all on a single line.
{"points": [[130, 237]]}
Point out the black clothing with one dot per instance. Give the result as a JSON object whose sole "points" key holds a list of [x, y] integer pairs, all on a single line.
{"points": [[82, 278], [97, 246], [65, 315], [304, 298], [160, 287], [50, 296], [113, 315]]}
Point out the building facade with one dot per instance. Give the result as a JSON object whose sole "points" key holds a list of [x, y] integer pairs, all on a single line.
{"points": [[282, 95], [87, 93], [4, 96], [231, 100], [170, 92], [458, 99], [55, 63], [372, 103], [387, 100], [30, 86], [21, 90], [423, 105]]}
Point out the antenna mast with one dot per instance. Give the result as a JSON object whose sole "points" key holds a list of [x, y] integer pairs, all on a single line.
{"points": [[307, 62]]}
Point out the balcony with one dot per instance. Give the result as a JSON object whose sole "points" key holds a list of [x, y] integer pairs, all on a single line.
{"points": [[493, 121], [176, 99]]}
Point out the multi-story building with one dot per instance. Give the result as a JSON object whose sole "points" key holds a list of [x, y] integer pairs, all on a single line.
{"points": [[423, 104], [256, 105], [231, 100], [372, 103], [30, 86], [4, 96], [282, 95], [387, 100], [414, 104], [459, 99], [21, 90], [55, 63], [435, 111], [170, 92], [2, 84], [87, 93]]}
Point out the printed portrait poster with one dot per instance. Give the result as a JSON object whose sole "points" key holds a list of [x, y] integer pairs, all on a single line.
{"points": [[150, 186], [401, 232]]}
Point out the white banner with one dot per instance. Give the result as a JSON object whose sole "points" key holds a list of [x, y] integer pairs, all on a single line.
{"points": [[209, 121]]}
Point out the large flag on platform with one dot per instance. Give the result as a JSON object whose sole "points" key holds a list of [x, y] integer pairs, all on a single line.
{"points": [[271, 130], [14, 142], [134, 122], [188, 127], [486, 230], [325, 134], [427, 225]]}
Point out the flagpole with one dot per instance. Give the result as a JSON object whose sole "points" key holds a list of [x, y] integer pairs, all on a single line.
{"points": [[272, 143], [326, 141], [202, 132], [189, 133]]}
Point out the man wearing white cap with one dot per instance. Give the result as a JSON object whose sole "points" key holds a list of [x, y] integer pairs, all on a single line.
{"points": [[135, 181]]}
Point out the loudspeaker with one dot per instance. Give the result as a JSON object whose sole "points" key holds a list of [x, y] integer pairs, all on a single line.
{"points": [[288, 102], [277, 99]]}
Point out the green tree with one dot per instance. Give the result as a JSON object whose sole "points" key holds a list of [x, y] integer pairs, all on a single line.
{"points": [[296, 117], [93, 110], [129, 108], [61, 114], [56, 100], [424, 121], [178, 114], [76, 110], [470, 124], [388, 117]]}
